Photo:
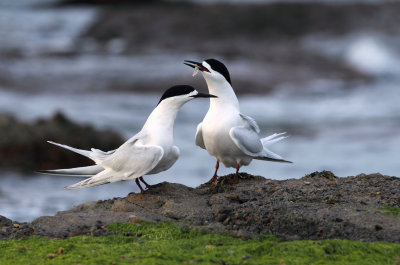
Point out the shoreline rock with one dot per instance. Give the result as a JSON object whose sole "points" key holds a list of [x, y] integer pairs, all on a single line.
{"points": [[23, 145], [317, 206]]}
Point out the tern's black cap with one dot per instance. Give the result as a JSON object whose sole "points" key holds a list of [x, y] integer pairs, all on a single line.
{"points": [[220, 68], [176, 91]]}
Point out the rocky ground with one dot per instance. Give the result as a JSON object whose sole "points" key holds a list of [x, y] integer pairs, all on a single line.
{"points": [[317, 206], [23, 145]]}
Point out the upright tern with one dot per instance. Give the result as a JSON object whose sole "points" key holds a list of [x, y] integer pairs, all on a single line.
{"points": [[150, 151], [227, 134]]}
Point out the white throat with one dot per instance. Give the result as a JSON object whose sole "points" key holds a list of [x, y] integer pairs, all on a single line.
{"points": [[160, 123], [224, 92]]}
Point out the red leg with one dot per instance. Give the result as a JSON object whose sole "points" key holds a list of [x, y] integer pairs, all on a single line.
{"points": [[235, 179], [215, 177], [148, 186], [142, 191]]}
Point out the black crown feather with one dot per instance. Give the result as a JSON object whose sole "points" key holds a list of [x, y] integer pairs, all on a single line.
{"points": [[176, 91], [220, 68]]}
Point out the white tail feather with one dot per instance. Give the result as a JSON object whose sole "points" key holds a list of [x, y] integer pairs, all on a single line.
{"points": [[104, 177], [76, 172], [270, 142], [273, 139], [95, 156], [269, 155]]}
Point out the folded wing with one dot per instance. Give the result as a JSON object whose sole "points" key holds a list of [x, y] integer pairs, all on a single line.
{"points": [[127, 163], [131, 160], [248, 141], [199, 136]]}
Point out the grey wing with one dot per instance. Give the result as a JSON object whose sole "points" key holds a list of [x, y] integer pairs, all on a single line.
{"points": [[246, 137], [250, 144], [134, 159], [123, 165], [199, 136], [129, 152], [166, 162], [246, 140], [250, 123], [176, 152]]}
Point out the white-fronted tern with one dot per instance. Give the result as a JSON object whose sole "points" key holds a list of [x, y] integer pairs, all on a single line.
{"points": [[227, 134], [150, 151]]}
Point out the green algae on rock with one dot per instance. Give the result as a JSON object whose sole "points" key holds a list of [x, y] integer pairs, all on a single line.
{"points": [[166, 243], [390, 210]]}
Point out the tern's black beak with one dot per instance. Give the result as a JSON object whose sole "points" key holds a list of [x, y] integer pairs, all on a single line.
{"points": [[196, 64], [204, 95]]}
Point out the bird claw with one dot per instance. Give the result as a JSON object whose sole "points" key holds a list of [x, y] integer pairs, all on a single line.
{"points": [[141, 195], [149, 187], [234, 180], [212, 180]]}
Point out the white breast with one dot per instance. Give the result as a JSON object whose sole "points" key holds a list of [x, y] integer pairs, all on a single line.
{"points": [[215, 129]]}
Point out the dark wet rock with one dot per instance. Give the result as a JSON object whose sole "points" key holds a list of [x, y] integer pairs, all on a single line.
{"points": [[14, 230], [256, 22], [23, 145], [317, 206], [105, 2]]}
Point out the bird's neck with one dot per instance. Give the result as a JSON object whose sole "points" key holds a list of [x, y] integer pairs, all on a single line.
{"points": [[160, 123], [226, 97]]}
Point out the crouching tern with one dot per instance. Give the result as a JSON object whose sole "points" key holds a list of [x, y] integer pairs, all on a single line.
{"points": [[150, 151], [227, 134]]}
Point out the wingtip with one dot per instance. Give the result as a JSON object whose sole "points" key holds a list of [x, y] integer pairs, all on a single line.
{"points": [[76, 186], [285, 135], [47, 172], [70, 187], [51, 142]]}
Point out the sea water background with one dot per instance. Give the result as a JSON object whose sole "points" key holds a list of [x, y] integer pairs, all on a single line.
{"points": [[333, 127]]}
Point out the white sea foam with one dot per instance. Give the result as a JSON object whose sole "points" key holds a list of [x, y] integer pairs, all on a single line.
{"points": [[371, 53], [372, 56], [32, 31]]}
